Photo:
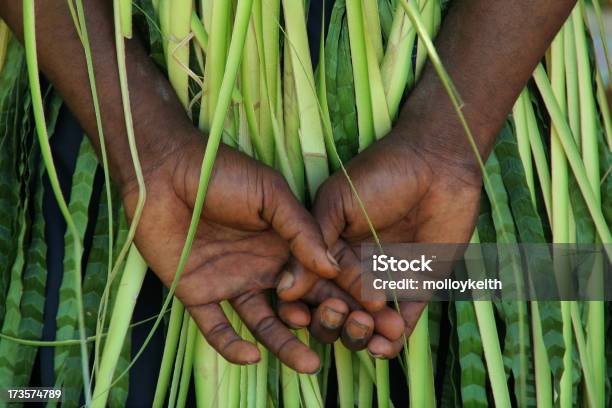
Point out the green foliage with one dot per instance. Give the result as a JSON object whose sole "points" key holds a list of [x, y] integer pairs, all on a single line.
{"points": [[340, 87]]}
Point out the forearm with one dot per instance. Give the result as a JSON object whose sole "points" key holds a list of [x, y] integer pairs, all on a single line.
{"points": [[489, 48], [156, 111]]}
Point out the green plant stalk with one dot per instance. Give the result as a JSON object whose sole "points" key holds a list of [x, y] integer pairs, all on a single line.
{"points": [[383, 394], [223, 375], [84, 36], [371, 22], [268, 15], [164, 21], [571, 79], [216, 57], [251, 392], [29, 37], [602, 102], [261, 391], [427, 15], [366, 360], [179, 360], [5, 37], [564, 135], [590, 157], [205, 373], [328, 133], [177, 54], [360, 73], [365, 388], [396, 68], [560, 208], [129, 288], [170, 345], [243, 11], [344, 374], [69, 342], [585, 359], [544, 393], [602, 31], [249, 78], [519, 114], [127, 113], [490, 342], [125, 11], [192, 333], [539, 154], [233, 381], [380, 110], [309, 385], [420, 370], [311, 135], [291, 387], [198, 30]]}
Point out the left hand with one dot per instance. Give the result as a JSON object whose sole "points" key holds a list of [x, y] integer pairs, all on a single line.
{"points": [[410, 193]]}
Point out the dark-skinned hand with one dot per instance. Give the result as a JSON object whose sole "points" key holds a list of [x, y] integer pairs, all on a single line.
{"points": [[250, 224], [411, 195]]}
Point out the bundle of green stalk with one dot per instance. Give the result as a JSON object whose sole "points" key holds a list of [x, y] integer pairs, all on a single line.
{"points": [[244, 73]]}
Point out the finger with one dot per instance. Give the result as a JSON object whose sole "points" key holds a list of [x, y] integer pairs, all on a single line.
{"points": [[325, 289], [351, 279], [259, 317], [294, 224], [389, 324], [381, 347], [295, 281], [411, 312], [357, 330], [327, 321], [221, 335], [294, 314]]}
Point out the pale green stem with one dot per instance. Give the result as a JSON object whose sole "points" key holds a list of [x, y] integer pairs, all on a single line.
{"points": [[396, 68], [291, 387], [205, 373], [125, 301], [590, 157], [539, 154], [169, 354], [179, 360], [420, 370], [602, 101], [585, 358], [126, 17], [490, 342], [84, 36], [177, 54], [365, 388], [311, 128], [360, 73], [29, 37], [192, 334], [565, 137], [344, 374], [382, 383]]}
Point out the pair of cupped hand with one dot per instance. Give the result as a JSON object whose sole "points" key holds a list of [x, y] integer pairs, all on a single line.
{"points": [[254, 236]]}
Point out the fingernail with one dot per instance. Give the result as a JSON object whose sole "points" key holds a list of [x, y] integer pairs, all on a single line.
{"points": [[357, 330], [331, 319], [286, 281], [333, 261], [379, 356]]}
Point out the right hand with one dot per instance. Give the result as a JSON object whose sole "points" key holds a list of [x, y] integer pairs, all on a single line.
{"points": [[250, 224]]}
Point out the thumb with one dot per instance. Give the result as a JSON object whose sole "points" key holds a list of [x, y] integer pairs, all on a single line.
{"points": [[292, 222]]}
